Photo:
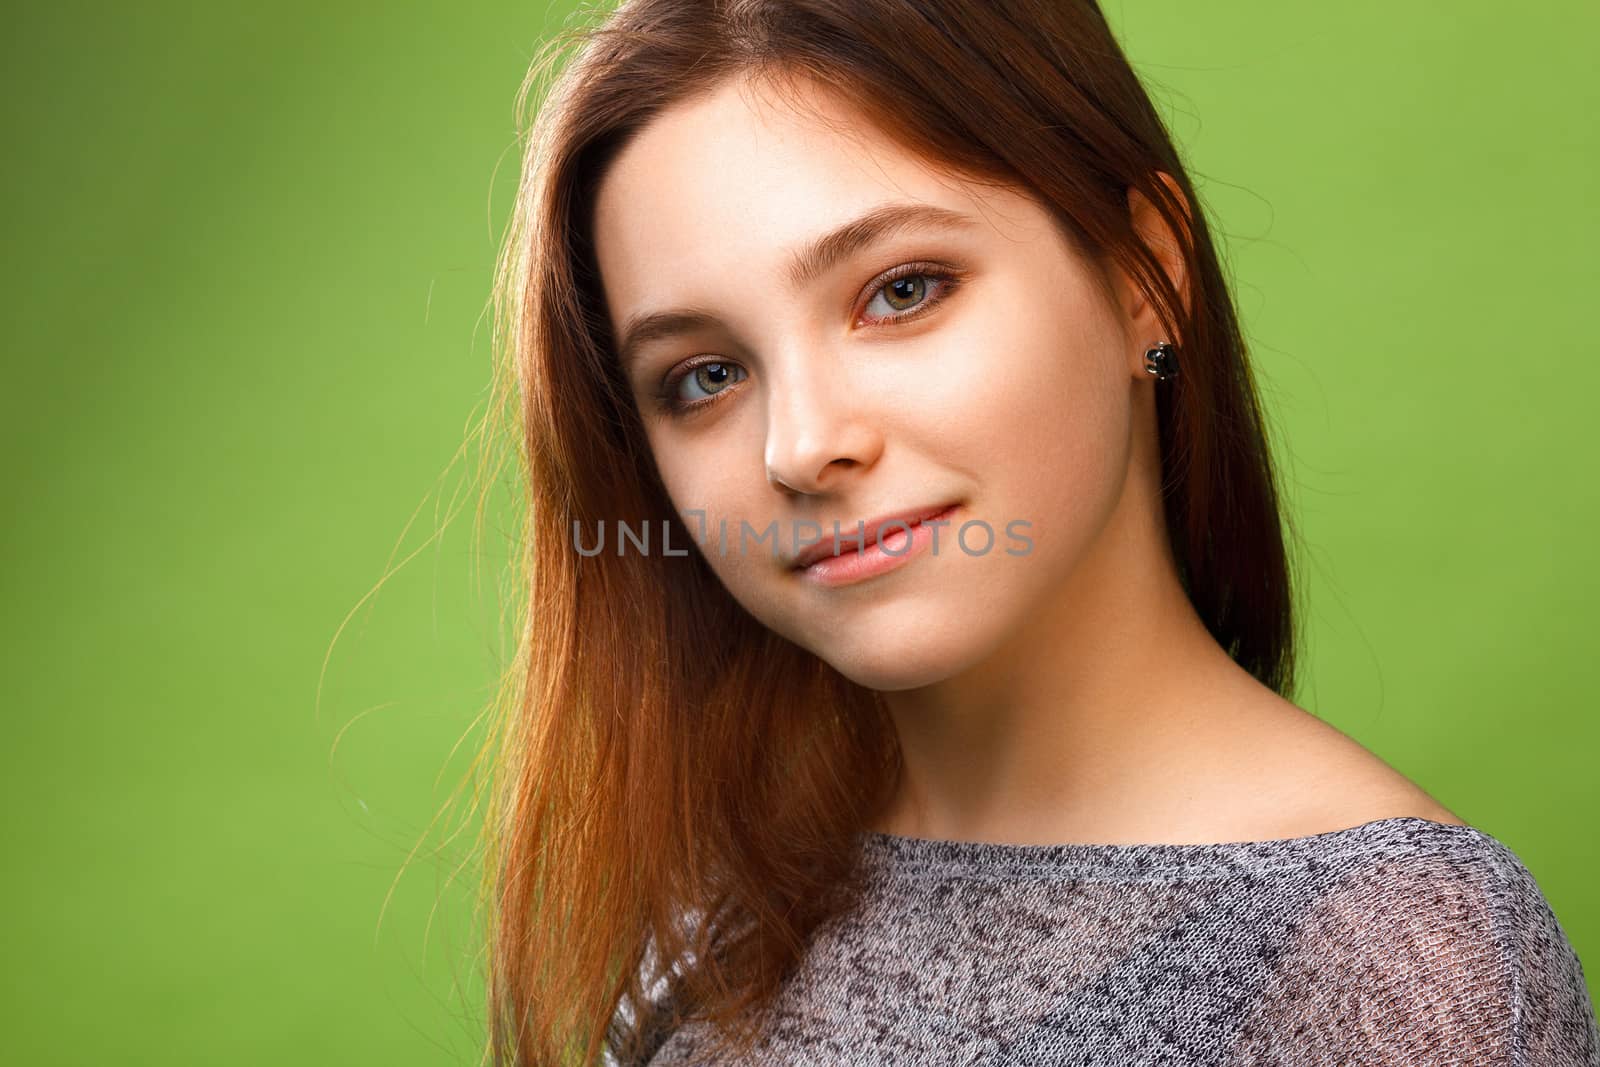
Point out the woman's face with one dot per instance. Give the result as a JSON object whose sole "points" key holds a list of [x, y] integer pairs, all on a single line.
{"points": [[951, 351]]}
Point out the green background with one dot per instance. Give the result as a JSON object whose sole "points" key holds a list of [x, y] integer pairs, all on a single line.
{"points": [[248, 255]]}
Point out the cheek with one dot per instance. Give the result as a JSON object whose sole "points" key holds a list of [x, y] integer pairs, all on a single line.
{"points": [[720, 477], [1037, 401], [1036, 412], [703, 484]]}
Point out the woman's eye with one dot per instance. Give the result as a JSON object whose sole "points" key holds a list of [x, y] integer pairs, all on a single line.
{"points": [[711, 378], [908, 294]]}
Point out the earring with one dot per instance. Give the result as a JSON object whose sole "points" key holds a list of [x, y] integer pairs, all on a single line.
{"points": [[1162, 361]]}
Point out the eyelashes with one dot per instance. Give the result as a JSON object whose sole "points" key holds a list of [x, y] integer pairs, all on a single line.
{"points": [[905, 292], [718, 371], [889, 287]]}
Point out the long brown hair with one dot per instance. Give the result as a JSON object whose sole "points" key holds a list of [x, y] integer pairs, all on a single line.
{"points": [[675, 788]]}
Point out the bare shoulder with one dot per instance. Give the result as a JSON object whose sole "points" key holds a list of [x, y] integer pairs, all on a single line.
{"points": [[1323, 779]]}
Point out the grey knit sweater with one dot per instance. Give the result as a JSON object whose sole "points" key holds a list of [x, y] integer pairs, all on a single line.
{"points": [[1398, 942]]}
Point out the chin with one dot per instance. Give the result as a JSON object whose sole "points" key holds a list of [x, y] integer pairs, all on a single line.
{"points": [[890, 662]]}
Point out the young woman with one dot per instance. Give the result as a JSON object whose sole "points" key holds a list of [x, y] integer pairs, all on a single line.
{"points": [[909, 625]]}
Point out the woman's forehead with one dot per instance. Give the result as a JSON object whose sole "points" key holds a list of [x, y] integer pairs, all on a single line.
{"points": [[728, 158], [736, 177]]}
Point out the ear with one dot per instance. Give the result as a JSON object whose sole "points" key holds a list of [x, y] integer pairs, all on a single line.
{"points": [[1161, 240]]}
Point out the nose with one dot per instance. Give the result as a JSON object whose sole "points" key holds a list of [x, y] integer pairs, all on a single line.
{"points": [[818, 429]]}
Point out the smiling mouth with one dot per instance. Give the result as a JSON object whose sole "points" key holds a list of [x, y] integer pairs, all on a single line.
{"points": [[872, 532]]}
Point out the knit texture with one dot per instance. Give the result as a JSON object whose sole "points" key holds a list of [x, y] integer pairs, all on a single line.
{"points": [[1398, 942]]}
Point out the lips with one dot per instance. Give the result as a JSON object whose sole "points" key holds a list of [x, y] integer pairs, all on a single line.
{"points": [[870, 529]]}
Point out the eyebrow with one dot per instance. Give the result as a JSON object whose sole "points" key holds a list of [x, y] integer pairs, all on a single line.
{"points": [[814, 259]]}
